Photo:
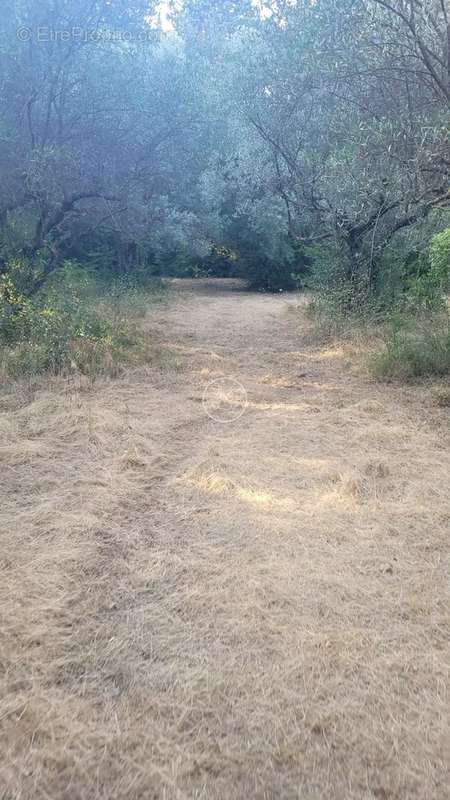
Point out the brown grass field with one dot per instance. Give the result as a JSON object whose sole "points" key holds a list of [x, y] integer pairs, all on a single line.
{"points": [[256, 608]]}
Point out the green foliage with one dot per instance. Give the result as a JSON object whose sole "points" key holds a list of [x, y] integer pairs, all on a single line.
{"points": [[266, 275], [415, 347], [334, 294], [440, 254], [412, 276], [267, 261], [409, 308], [180, 262], [74, 324], [429, 283], [285, 125], [440, 260], [220, 262]]}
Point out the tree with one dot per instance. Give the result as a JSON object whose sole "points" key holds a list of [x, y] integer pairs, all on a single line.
{"points": [[261, 128]]}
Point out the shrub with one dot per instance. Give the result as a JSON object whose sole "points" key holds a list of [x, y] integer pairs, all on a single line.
{"points": [[73, 323], [415, 347], [440, 256], [265, 274], [429, 288]]}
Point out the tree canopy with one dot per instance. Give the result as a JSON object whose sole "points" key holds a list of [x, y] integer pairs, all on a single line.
{"points": [[253, 138]]}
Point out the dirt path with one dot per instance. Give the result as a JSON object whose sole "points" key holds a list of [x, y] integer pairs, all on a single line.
{"points": [[200, 608]]}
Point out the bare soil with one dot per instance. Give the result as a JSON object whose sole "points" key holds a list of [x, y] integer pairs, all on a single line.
{"points": [[231, 599]]}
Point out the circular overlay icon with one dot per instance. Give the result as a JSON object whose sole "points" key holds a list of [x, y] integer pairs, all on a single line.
{"points": [[23, 34], [224, 399]]}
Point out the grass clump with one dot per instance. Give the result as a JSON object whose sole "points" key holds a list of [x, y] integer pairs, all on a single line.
{"points": [[408, 324], [409, 343], [75, 323], [415, 347]]}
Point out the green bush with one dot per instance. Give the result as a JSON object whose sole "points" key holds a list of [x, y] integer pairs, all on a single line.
{"points": [[264, 274], [415, 347], [73, 323], [440, 256], [430, 287]]}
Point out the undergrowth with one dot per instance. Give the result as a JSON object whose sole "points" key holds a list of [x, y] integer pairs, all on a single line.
{"points": [[407, 331], [75, 323], [399, 343], [414, 347]]}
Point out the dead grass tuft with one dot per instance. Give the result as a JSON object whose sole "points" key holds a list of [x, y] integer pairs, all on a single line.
{"points": [[441, 396]]}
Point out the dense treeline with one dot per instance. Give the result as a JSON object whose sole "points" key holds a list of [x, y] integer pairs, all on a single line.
{"points": [[288, 142]]}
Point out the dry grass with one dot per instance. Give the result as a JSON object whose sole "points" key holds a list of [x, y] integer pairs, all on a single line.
{"points": [[196, 610]]}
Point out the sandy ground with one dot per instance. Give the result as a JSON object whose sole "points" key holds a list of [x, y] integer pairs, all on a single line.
{"points": [[211, 594]]}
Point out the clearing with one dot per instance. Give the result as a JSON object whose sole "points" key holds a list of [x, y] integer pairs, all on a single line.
{"points": [[252, 608]]}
